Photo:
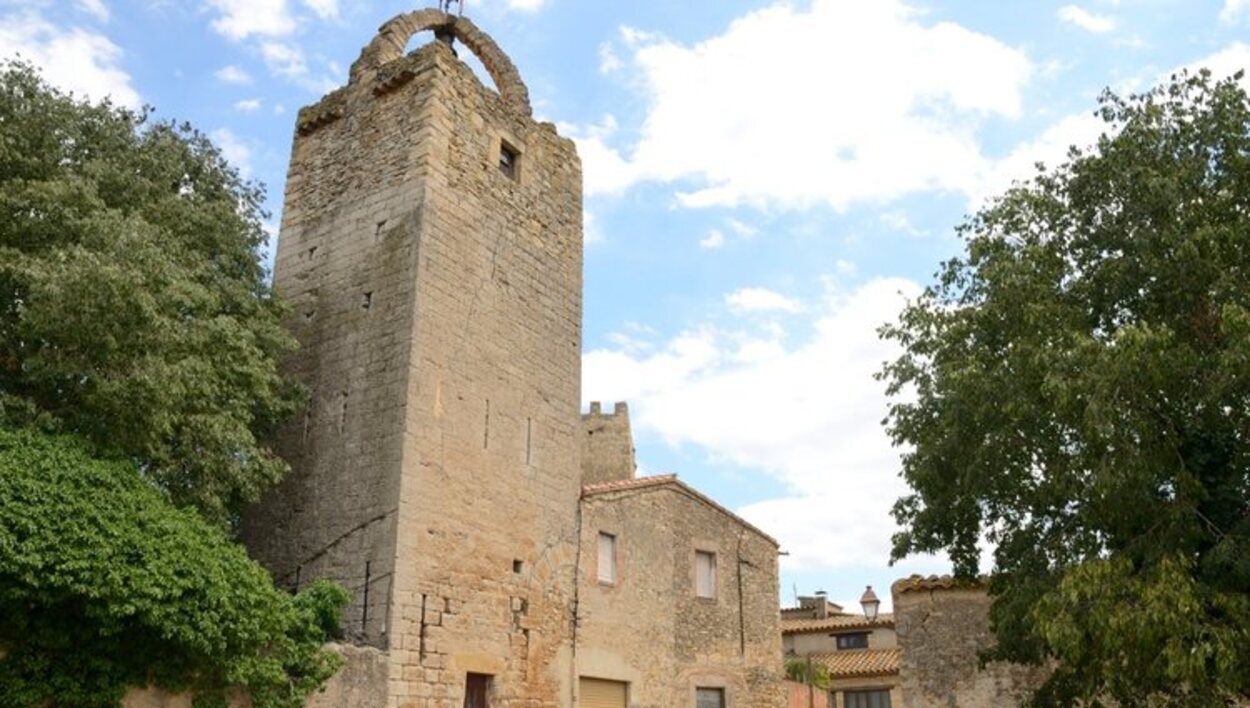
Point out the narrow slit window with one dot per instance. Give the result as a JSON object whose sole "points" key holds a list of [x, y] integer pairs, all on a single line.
{"points": [[705, 574], [509, 160], [607, 558], [529, 440]]}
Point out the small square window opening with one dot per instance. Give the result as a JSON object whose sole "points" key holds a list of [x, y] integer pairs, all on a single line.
{"points": [[709, 698]]}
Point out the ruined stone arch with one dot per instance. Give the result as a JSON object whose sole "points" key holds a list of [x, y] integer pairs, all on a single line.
{"points": [[393, 36]]}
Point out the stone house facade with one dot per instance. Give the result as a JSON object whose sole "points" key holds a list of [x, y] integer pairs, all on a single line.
{"points": [[431, 252], [861, 655], [677, 599]]}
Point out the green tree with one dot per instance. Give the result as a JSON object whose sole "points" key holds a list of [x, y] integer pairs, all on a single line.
{"points": [[105, 585], [805, 672], [138, 380], [1076, 389], [133, 307]]}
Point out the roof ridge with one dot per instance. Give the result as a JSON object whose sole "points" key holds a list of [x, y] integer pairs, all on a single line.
{"points": [[632, 483], [671, 479]]}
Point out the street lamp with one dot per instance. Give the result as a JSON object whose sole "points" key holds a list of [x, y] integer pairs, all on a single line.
{"points": [[870, 603]]}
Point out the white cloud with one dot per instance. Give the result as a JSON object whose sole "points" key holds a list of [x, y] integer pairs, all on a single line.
{"points": [[899, 222], [895, 110], [806, 415], [714, 239], [233, 74], [325, 9], [236, 152], [742, 229], [761, 300], [270, 23], [1082, 130], [1233, 10], [1223, 64], [84, 62], [248, 105], [95, 8], [592, 232], [284, 59], [1086, 20], [608, 59], [1049, 148], [240, 19], [604, 171], [526, 5]]}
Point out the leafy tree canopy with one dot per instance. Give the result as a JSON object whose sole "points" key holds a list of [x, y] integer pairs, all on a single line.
{"points": [[138, 347], [1076, 389], [104, 585], [133, 308]]}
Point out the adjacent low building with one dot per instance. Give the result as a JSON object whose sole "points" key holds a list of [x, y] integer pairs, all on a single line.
{"points": [[677, 594], [859, 651]]}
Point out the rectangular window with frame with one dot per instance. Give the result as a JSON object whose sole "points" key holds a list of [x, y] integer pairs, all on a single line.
{"points": [[866, 699], [854, 640], [709, 698], [705, 574], [607, 558], [509, 160]]}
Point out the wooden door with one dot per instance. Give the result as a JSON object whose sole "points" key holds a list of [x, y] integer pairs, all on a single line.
{"points": [[476, 688]]}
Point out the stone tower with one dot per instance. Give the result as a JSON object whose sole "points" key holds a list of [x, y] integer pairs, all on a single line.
{"points": [[431, 250], [607, 445]]}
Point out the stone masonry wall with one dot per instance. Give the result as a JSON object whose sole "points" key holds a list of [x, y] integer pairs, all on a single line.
{"points": [[650, 630], [438, 304], [941, 628], [607, 445], [490, 474], [347, 264]]}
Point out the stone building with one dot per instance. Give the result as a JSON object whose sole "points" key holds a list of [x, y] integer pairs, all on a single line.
{"points": [[431, 253], [942, 625], [677, 601], [860, 651]]}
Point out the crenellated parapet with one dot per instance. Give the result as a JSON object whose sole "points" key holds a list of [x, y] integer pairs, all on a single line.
{"points": [[607, 444]]}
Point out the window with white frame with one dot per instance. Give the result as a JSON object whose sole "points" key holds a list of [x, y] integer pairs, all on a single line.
{"points": [[704, 574], [607, 558]]}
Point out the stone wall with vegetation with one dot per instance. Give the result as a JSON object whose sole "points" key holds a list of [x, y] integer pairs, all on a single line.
{"points": [[941, 626]]}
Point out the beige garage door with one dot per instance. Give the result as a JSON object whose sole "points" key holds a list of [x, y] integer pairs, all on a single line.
{"points": [[597, 693]]}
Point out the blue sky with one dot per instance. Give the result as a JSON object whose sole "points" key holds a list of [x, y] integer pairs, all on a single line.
{"points": [[765, 183]]}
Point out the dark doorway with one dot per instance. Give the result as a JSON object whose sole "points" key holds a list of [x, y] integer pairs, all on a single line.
{"points": [[476, 690]]}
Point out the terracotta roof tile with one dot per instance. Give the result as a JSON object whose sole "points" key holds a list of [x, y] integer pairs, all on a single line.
{"points": [[918, 583], [834, 623], [669, 480], [623, 484], [859, 662]]}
